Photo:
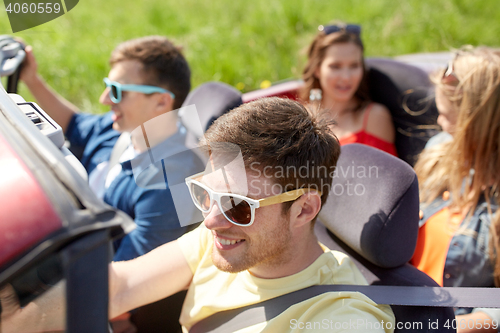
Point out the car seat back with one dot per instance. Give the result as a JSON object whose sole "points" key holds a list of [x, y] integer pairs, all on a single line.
{"points": [[372, 214], [210, 100], [408, 94]]}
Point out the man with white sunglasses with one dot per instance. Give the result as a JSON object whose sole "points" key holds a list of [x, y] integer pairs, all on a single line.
{"points": [[269, 173], [149, 78]]}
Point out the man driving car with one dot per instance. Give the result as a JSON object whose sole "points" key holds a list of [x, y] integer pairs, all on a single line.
{"points": [[148, 80]]}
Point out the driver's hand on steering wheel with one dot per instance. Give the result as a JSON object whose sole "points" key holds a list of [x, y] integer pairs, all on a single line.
{"points": [[29, 67]]}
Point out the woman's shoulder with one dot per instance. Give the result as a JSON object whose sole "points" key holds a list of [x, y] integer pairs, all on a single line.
{"points": [[379, 122], [378, 112]]}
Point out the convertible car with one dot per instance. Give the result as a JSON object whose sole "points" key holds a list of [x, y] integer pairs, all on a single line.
{"points": [[54, 229]]}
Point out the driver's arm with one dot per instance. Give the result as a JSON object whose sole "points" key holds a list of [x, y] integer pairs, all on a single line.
{"points": [[158, 274], [51, 102]]}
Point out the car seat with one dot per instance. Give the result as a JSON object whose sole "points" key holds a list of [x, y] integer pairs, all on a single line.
{"points": [[372, 214], [211, 100], [408, 94]]}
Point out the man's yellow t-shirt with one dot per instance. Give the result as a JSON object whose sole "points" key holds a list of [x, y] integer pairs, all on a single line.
{"points": [[213, 291]]}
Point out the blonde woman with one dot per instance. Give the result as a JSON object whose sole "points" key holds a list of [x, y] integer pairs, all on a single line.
{"points": [[460, 180]]}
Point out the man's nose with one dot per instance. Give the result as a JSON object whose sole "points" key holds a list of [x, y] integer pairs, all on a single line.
{"points": [[215, 219], [104, 98]]}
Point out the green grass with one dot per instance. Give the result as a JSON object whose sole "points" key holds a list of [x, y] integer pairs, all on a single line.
{"points": [[243, 42]]}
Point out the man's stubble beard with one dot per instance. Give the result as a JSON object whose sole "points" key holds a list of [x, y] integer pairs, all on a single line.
{"points": [[271, 250]]}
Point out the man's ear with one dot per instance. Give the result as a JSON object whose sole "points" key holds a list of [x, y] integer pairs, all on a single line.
{"points": [[165, 103], [305, 209]]}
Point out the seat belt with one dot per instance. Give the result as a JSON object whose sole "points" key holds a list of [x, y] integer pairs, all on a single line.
{"points": [[118, 149], [232, 320]]}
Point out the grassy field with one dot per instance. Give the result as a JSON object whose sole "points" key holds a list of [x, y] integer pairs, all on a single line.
{"points": [[243, 43]]}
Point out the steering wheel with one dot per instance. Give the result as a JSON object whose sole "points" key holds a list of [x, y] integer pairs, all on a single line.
{"points": [[11, 58]]}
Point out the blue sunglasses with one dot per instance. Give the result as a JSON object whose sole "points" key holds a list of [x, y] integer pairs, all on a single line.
{"points": [[350, 28], [115, 89]]}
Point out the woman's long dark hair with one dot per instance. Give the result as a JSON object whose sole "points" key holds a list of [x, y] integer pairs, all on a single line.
{"points": [[316, 55]]}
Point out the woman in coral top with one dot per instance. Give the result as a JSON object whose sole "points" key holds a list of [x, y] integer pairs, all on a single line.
{"points": [[335, 84]]}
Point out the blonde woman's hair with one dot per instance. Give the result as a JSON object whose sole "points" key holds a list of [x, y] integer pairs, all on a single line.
{"points": [[469, 165], [495, 248]]}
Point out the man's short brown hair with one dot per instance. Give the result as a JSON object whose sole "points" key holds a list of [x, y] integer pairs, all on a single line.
{"points": [[283, 136], [164, 64]]}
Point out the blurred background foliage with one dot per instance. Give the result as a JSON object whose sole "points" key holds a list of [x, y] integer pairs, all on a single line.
{"points": [[242, 43]]}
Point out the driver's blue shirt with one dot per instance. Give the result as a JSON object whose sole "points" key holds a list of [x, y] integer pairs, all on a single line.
{"points": [[150, 203]]}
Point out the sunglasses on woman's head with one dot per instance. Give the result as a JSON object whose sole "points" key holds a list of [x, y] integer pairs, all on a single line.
{"points": [[449, 76], [350, 28], [237, 209], [115, 89]]}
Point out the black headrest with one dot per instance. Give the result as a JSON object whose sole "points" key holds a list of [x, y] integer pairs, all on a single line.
{"points": [[212, 99], [373, 205], [408, 94]]}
